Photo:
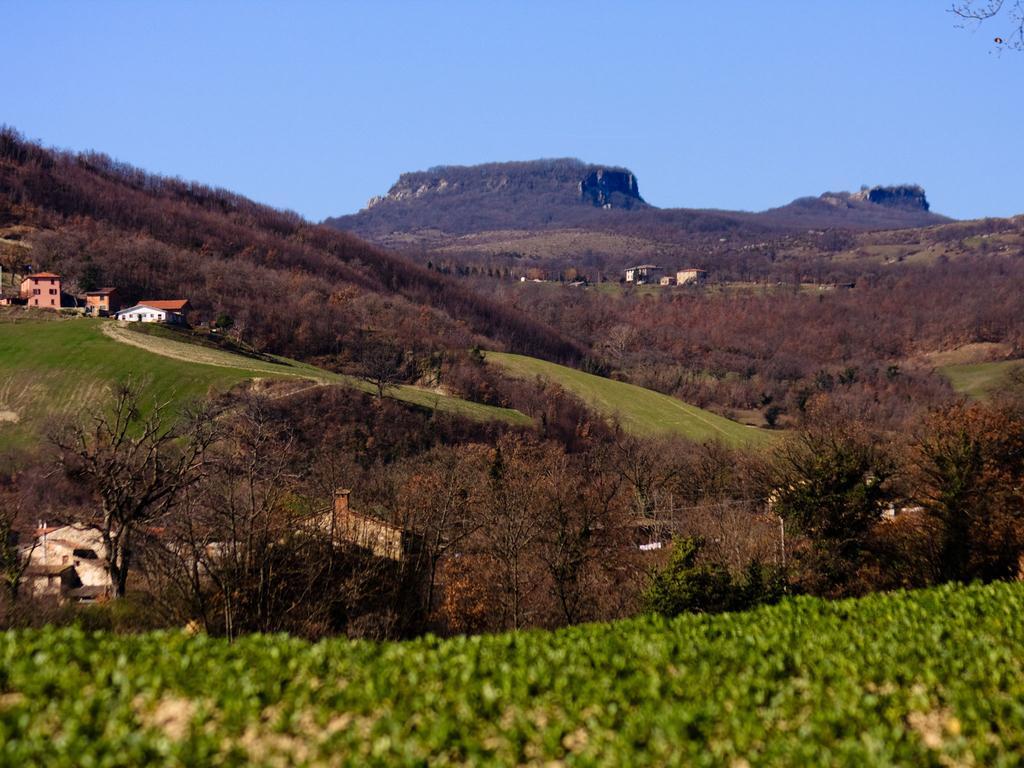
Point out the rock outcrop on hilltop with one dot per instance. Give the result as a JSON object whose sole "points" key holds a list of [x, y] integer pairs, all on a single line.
{"points": [[527, 194], [453, 200], [570, 181], [900, 196], [610, 189], [907, 197]]}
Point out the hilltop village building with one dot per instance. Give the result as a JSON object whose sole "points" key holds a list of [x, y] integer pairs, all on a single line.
{"points": [[169, 311]]}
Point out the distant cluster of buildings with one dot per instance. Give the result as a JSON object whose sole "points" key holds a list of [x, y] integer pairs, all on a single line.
{"points": [[652, 274], [43, 290]]}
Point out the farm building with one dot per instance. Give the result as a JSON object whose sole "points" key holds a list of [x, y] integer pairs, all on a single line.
{"points": [[169, 311], [667, 280], [378, 536], [102, 302], [691, 276], [41, 290], [643, 274]]}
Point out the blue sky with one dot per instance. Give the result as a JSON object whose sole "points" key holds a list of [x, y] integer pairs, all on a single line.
{"points": [[318, 106]]}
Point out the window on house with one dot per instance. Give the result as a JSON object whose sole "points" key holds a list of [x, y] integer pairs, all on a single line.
{"points": [[36, 291], [53, 291]]}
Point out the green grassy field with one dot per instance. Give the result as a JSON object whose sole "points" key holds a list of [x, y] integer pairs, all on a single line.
{"points": [[55, 368], [981, 380], [639, 410], [934, 677]]}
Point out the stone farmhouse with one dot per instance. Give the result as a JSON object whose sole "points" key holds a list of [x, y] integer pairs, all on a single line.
{"points": [[67, 562], [381, 538]]}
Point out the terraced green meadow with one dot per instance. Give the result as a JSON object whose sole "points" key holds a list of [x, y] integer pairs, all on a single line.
{"points": [[639, 410], [50, 368], [934, 677]]}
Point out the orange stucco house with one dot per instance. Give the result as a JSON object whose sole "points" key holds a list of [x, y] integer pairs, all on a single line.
{"points": [[102, 302], [41, 290]]}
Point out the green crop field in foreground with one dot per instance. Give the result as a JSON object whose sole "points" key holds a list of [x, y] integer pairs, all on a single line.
{"points": [[934, 677], [639, 410], [981, 380], [53, 368]]}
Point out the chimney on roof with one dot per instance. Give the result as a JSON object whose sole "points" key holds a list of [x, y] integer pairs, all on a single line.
{"points": [[341, 502]]}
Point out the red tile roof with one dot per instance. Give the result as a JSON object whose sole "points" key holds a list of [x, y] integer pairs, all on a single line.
{"points": [[42, 274], [172, 305], [100, 292]]}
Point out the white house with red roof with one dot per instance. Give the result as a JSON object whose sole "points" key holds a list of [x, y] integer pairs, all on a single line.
{"points": [[170, 311]]}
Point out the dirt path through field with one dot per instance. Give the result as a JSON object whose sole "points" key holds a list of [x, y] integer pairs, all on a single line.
{"points": [[192, 353]]}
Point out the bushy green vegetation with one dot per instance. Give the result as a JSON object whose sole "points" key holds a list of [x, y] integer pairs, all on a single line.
{"points": [[639, 410], [686, 586], [926, 678], [50, 368]]}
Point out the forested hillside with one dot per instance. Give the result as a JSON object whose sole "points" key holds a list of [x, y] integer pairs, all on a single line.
{"points": [[288, 286]]}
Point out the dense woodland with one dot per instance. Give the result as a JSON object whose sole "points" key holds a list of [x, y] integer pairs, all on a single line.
{"points": [[511, 527]]}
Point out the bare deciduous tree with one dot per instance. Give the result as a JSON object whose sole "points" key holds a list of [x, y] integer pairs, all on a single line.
{"points": [[135, 467], [380, 364], [975, 12]]}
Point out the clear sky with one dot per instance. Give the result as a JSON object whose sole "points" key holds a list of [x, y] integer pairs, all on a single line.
{"points": [[318, 106]]}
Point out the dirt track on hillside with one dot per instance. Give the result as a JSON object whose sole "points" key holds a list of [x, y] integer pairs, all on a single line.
{"points": [[191, 353]]}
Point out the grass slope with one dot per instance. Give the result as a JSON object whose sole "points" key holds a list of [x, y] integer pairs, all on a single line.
{"points": [[53, 368], [981, 380], [639, 410], [934, 677]]}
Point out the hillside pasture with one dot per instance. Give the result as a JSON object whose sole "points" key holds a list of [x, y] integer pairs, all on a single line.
{"points": [[983, 380], [641, 411], [55, 368]]}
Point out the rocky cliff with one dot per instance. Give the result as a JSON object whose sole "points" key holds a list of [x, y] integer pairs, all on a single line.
{"points": [[610, 189], [901, 196], [907, 197]]}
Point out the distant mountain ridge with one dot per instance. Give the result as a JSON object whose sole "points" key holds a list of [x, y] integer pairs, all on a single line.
{"points": [[527, 194], [566, 181], [566, 192]]}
